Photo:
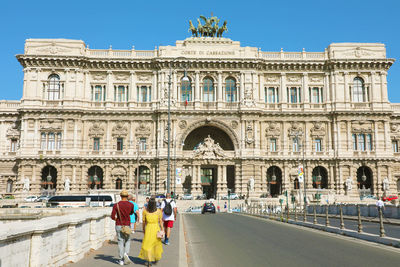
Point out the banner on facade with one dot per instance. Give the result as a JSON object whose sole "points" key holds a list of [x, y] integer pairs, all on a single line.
{"points": [[300, 173], [178, 175]]}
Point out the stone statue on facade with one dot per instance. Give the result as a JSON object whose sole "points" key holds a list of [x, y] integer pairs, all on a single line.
{"points": [[26, 185], [209, 27], [349, 185], [251, 184], [208, 149], [385, 184], [67, 184]]}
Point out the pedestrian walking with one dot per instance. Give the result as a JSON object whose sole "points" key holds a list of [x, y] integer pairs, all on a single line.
{"points": [[152, 249], [147, 201], [121, 215], [225, 207], [135, 215], [380, 205], [169, 211]]}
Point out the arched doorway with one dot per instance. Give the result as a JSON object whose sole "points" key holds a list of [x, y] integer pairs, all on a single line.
{"points": [[398, 185], [296, 184], [320, 178], [364, 179], [187, 181], [49, 177], [95, 177], [144, 179], [118, 183], [9, 186], [274, 180]]}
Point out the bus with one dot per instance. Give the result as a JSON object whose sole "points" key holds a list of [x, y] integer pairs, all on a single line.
{"points": [[81, 201]]}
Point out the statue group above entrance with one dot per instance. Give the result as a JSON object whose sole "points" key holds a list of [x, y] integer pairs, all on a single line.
{"points": [[208, 149], [210, 27]]}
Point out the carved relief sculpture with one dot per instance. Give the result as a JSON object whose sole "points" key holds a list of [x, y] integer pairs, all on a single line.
{"points": [[208, 149]]}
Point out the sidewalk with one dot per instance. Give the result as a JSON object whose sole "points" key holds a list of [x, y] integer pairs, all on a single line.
{"points": [[107, 255]]}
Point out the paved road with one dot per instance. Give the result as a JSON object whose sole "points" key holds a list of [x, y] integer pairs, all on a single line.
{"points": [[236, 240]]}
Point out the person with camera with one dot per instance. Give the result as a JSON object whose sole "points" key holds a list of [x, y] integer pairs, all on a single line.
{"points": [[121, 215]]}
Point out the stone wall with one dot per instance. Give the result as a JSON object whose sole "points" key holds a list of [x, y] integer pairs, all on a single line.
{"points": [[55, 241]]}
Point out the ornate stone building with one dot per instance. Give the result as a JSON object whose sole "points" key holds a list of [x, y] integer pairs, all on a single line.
{"points": [[240, 118]]}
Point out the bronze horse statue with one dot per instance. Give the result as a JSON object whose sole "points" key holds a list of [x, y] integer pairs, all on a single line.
{"points": [[200, 28], [222, 29], [192, 29]]}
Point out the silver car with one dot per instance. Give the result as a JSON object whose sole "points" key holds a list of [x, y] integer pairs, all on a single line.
{"points": [[187, 197]]}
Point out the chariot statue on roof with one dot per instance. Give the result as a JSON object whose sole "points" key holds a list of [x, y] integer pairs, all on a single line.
{"points": [[209, 27]]}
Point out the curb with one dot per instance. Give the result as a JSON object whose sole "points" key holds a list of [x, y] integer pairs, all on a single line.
{"points": [[389, 241], [182, 244]]}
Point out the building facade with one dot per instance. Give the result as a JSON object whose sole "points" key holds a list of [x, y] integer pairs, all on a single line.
{"points": [[241, 119]]}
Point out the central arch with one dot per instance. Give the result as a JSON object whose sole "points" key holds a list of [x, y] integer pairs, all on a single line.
{"points": [[197, 136]]}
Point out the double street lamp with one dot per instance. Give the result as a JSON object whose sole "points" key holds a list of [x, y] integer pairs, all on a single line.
{"points": [[184, 79]]}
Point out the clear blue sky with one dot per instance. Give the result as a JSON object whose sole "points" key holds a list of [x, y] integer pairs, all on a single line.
{"points": [[270, 25]]}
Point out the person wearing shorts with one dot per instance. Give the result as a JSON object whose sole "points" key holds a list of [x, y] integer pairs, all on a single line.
{"points": [[168, 219]]}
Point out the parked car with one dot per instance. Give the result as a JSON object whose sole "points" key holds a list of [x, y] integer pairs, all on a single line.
{"points": [[231, 196], [43, 198], [208, 207], [160, 196], [202, 196], [187, 197], [390, 198], [31, 199]]}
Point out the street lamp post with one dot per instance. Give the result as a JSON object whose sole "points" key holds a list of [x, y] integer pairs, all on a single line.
{"points": [[137, 174], [185, 79], [297, 134]]}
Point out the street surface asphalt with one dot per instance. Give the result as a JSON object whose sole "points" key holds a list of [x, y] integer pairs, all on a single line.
{"points": [[237, 240]]}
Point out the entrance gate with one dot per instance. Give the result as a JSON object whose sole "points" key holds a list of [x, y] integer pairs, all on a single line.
{"points": [[209, 181]]}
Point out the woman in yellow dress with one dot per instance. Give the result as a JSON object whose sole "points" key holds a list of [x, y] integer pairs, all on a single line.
{"points": [[152, 222]]}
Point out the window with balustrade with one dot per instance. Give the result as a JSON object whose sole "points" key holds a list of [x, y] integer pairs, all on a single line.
{"points": [[208, 90], [272, 144], [362, 142], [121, 93], [142, 144], [186, 90], [120, 144], [96, 143], [358, 91], [295, 144], [271, 95], [144, 93], [54, 87], [13, 145], [315, 94], [230, 90], [98, 93], [294, 95], [50, 141]]}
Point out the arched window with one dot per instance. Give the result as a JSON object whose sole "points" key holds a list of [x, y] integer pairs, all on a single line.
{"points": [[186, 90], [118, 184], [230, 90], [359, 94], [208, 90], [9, 186], [54, 87]]}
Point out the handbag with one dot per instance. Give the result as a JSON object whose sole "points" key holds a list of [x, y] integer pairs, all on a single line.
{"points": [[125, 230], [160, 234]]}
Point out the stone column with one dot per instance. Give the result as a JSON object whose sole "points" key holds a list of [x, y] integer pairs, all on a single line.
{"points": [[241, 86], [83, 184], [306, 96], [224, 179], [220, 89], [327, 92], [110, 87], [349, 137], [87, 88], [155, 97], [197, 88], [384, 91], [283, 90], [132, 85]]}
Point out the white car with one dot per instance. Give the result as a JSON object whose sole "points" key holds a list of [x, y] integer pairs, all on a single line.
{"points": [[30, 199], [187, 197], [231, 196]]}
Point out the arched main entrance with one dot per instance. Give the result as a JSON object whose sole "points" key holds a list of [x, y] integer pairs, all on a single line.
{"points": [[364, 179], [320, 178], [197, 136], [274, 180], [49, 177], [95, 177]]}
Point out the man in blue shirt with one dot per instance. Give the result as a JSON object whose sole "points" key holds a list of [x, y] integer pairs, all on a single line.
{"points": [[135, 214]]}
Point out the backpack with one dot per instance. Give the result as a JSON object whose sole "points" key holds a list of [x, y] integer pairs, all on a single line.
{"points": [[168, 208]]}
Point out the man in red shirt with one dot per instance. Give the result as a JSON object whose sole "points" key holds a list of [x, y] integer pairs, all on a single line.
{"points": [[121, 215]]}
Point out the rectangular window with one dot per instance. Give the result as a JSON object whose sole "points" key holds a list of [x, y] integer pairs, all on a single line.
{"points": [[272, 144], [43, 142], [96, 144], [51, 142], [369, 142], [361, 142], [395, 146], [120, 93], [144, 94], [59, 139], [315, 95], [354, 142], [271, 95], [98, 93], [142, 144], [13, 146], [120, 144], [293, 95], [318, 145], [295, 145]]}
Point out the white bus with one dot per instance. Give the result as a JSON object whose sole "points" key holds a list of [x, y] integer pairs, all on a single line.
{"points": [[81, 201]]}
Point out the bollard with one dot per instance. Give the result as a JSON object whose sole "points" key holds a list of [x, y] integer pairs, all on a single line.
{"points": [[382, 229], [295, 212], [327, 215], [359, 219], [341, 217], [305, 213], [287, 213], [315, 214]]}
